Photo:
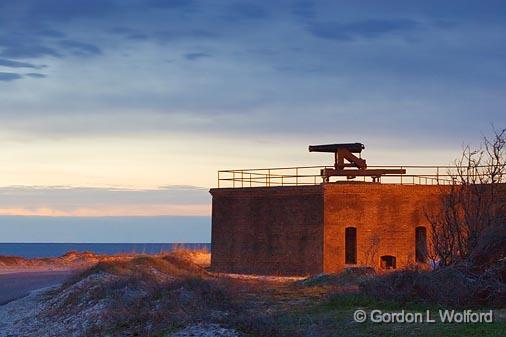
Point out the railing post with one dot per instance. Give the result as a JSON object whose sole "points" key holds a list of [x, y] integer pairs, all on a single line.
{"points": [[437, 175], [269, 178], [296, 176], [242, 178], [218, 179], [233, 179], [250, 179], [401, 175]]}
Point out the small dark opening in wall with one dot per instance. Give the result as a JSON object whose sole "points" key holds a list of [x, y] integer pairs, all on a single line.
{"points": [[350, 245], [388, 262], [420, 244]]}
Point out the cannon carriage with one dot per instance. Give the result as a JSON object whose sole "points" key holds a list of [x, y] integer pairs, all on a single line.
{"points": [[347, 164]]}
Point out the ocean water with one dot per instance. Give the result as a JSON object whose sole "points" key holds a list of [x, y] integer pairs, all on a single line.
{"points": [[31, 250]]}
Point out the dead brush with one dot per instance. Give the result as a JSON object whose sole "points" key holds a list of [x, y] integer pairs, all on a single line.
{"points": [[143, 296], [200, 257], [167, 306], [454, 286]]}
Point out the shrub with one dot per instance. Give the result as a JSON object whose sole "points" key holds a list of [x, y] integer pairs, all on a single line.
{"points": [[454, 286]]}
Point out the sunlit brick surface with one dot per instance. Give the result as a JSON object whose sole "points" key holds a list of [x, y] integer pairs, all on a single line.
{"points": [[300, 230]]}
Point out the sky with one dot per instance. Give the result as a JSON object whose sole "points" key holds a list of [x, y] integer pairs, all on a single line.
{"points": [[129, 107]]}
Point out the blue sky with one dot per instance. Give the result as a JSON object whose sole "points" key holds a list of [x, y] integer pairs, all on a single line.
{"points": [[129, 100]]}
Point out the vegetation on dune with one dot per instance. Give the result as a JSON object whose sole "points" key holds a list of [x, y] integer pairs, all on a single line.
{"points": [[70, 260], [330, 302], [169, 294], [11, 260], [143, 296], [452, 287]]}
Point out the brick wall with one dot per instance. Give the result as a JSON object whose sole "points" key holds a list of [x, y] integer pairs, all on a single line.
{"points": [[384, 215], [301, 230], [275, 230]]}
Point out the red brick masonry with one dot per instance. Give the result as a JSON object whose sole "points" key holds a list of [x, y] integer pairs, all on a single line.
{"points": [[299, 230]]}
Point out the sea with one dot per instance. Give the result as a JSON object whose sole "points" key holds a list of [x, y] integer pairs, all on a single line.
{"points": [[33, 250]]}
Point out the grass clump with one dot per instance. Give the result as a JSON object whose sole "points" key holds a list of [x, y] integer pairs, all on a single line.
{"points": [[142, 296], [454, 286]]}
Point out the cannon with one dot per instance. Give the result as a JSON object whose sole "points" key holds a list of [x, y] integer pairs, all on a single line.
{"points": [[343, 152], [347, 164], [352, 147]]}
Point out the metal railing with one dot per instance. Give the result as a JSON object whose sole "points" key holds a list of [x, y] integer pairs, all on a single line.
{"points": [[311, 175]]}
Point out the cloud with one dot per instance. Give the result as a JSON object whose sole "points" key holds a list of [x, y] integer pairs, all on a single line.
{"points": [[66, 10], [80, 201], [27, 27], [273, 75], [139, 37], [171, 4], [247, 11], [195, 56], [17, 64], [17, 48], [7, 77], [181, 35], [36, 75], [81, 48], [47, 32], [361, 29], [304, 9], [128, 33]]}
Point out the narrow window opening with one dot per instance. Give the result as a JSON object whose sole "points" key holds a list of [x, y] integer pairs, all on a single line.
{"points": [[350, 245], [388, 262], [420, 244]]}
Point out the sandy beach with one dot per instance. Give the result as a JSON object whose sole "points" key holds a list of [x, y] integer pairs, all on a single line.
{"points": [[19, 284]]}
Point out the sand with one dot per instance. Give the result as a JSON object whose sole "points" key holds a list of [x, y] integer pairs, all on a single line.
{"points": [[19, 276]]}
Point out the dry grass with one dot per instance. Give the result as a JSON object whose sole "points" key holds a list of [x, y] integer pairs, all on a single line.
{"points": [[154, 295], [141, 296], [82, 260], [163, 307], [11, 260], [455, 286], [200, 257], [157, 295]]}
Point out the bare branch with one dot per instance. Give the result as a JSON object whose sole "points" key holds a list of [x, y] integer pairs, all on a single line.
{"points": [[472, 204]]}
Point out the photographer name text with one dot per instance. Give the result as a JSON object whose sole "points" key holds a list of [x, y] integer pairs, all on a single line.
{"points": [[443, 316]]}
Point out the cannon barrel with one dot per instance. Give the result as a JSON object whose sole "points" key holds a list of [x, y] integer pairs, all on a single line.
{"points": [[352, 147]]}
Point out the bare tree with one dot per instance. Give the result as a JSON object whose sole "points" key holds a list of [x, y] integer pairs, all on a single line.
{"points": [[473, 202], [371, 252]]}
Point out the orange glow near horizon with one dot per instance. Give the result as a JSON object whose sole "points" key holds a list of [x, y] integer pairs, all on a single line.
{"points": [[124, 210], [152, 164]]}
